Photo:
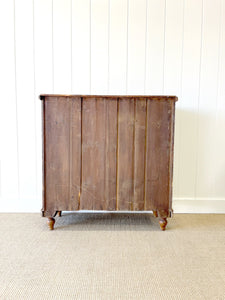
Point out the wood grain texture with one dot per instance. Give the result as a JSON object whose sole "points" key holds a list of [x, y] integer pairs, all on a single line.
{"points": [[92, 155], [99, 136], [57, 153], [125, 157], [157, 155], [112, 153], [75, 152], [171, 151], [139, 153], [128, 97]]}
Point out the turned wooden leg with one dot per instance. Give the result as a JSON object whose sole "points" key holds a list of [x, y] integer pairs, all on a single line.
{"points": [[51, 222], [60, 213], [163, 215], [163, 223], [155, 214]]}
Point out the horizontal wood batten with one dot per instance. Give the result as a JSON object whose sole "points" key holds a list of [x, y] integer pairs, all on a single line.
{"points": [[111, 97]]}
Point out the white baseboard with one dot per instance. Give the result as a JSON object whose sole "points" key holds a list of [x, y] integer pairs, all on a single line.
{"points": [[180, 205], [196, 206]]}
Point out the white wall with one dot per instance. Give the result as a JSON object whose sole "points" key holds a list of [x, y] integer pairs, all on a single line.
{"points": [[171, 47]]}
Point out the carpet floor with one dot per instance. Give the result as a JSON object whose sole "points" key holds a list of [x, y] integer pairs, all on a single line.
{"points": [[112, 256]]}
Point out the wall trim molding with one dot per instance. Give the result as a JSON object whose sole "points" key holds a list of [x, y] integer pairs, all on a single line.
{"points": [[199, 205]]}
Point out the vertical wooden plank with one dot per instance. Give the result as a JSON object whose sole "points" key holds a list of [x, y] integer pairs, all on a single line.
{"points": [[171, 116], [110, 153], [187, 106], [207, 98], [99, 137], [136, 50], [25, 102], [117, 47], [57, 151], [157, 154], [125, 164], [75, 153], [139, 153], [99, 47], [62, 46], [155, 47], [8, 112], [81, 46], [99, 155], [90, 173], [43, 72]]}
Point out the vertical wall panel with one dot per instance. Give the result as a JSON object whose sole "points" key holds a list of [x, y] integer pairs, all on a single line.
{"points": [[25, 101], [117, 47], [173, 70], [80, 46], [173, 47], [99, 46], [43, 74], [43, 46], [208, 97], [188, 114], [136, 46], [219, 140], [8, 110], [155, 47], [62, 46]]}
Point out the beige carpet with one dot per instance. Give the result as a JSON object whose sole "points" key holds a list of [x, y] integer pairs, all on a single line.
{"points": [[112, 256]]}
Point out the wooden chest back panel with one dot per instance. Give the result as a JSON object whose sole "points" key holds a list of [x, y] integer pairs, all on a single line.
{"points": [[107, 153], [158, 144], [99, 140]]}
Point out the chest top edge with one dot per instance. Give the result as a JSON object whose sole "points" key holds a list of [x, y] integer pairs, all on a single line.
{"points": [[111, 97]]}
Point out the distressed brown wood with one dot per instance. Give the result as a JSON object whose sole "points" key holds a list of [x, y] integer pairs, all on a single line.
{"points": [[125, 157], [108, 153], [158, 147], [57, 156], [139, 145], [75, 147], [99, 139]]}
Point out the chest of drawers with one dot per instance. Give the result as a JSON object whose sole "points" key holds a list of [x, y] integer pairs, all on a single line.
{"points": [[110, 153]]}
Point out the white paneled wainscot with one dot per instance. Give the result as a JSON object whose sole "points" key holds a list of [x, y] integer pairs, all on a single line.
{"points": [[142, 47]]}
